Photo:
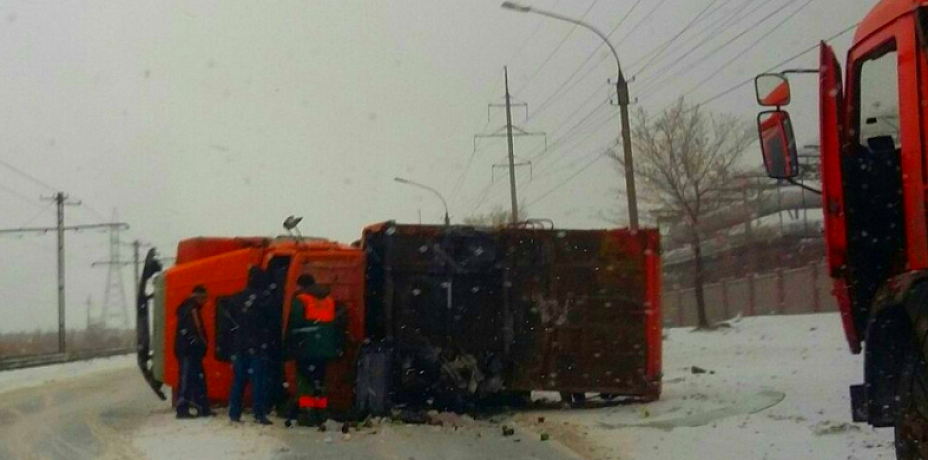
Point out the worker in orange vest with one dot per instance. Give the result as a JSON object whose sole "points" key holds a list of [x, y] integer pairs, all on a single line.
{"points": [[316, 336]]}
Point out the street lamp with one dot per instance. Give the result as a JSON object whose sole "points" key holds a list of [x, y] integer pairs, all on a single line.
{"points": [[425, 187], [621, 87]]}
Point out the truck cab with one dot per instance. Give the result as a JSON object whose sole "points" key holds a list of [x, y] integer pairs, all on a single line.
{"points": [[873, 160], [221, 265]]}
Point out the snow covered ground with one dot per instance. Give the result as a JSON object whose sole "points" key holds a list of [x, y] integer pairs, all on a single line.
{"points": [[775, 388], [164, 437], [32, 377]]}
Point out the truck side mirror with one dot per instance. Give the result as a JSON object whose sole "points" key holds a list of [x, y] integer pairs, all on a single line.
{"points": [[778, 144], [772, 90]]}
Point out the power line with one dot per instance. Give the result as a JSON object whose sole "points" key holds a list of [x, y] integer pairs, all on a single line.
{"points": [[20, 196], [663, 48], [711, 31], [750, 47], [37, 215], [557, 92], [38, 182], [555, 50], [560, 140], [563, 139], [643, 20], [695, 20], [784, 62], [566, 140], [566, 181], [26, 175], [704, 58], [579, 141], [538, 26]]}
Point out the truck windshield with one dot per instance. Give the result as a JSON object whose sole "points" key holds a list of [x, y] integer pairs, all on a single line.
{"points": [[878, 120]]}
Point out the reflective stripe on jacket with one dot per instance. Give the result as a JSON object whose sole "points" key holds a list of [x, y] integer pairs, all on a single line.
{"points": [[319, 310]]}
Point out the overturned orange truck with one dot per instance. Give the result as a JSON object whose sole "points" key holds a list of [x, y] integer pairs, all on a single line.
{"points": [[572, 311]]}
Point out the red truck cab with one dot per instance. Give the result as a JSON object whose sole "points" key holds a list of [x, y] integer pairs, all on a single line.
{"points": [[221, 266], [873, 158]]}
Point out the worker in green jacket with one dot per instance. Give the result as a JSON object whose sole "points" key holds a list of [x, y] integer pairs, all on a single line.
{"points": [[316, 336]]}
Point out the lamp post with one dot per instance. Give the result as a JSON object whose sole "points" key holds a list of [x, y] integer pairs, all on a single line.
{"points": [[426, 187], [621, 87]]}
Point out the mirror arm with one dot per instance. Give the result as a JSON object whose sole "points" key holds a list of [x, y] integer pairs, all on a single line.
{"points": [[804, 186], [795, 71]]}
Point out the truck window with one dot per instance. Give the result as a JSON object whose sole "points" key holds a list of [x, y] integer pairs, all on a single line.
{"points": [[878, 99]]}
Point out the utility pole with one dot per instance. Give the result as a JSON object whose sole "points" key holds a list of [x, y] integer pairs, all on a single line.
{"points": [[61, 200], [512, 160], [511, 133]]}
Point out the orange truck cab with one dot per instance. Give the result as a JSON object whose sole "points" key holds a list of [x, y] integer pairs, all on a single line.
{"points": [[873, 157], [221, 265]]}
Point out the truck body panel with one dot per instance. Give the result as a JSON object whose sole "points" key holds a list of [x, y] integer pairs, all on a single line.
{"points": [[573, 311]]}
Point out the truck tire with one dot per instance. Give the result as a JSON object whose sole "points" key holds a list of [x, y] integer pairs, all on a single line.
{"points": [[911, 431]]}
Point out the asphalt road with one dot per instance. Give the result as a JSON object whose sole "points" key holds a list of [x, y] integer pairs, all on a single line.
{"points": [[99, 416]]}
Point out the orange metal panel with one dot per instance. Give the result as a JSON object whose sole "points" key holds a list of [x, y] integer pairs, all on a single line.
{"points": [[883, 14], [653, 313]]}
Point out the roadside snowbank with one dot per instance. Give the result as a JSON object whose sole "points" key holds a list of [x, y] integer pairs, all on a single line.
{"points": [[774, 388], [36, 376]]}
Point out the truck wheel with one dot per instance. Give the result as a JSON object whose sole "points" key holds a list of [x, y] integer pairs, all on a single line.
{"points": [[912, 415]]}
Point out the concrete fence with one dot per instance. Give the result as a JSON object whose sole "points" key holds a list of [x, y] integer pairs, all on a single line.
{"points": [[782, 292]]}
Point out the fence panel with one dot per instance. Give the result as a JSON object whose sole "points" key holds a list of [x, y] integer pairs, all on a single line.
{"points": [[739, 297], [829, 303], [767, 297], [791, 292], [715, 307], [688, 306], [799, 292], [670, 304]]}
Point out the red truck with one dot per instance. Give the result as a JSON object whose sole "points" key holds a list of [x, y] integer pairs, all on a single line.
{"points": [[874, 141], [525, 309]]}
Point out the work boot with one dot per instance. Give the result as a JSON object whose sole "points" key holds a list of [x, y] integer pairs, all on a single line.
{"points": [[263, 421]]}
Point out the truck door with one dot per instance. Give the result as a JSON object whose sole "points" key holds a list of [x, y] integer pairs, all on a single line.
{"points": [[831, 95], [882, 165]]}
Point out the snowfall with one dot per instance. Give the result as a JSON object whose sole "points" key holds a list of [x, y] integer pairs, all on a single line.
{"points": [[773, 388]]}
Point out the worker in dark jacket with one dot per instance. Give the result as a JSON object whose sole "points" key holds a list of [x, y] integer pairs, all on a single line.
{"points": [[189, 347], [316, 335], [251, 341]]}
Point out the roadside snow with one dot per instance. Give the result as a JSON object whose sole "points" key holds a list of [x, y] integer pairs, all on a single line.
{"points": [[164, 437], [774, 388], [36, 376]]}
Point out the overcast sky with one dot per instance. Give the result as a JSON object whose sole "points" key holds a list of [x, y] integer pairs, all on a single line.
{"points": [[222, 118]]}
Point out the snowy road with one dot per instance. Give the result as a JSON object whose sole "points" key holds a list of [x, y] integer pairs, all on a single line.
{"points": [[768, 388], [81, 418], [111, 414]]}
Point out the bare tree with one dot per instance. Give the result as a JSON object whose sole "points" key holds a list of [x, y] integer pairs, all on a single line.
{"points": [[686, 160], [496, 217]]}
